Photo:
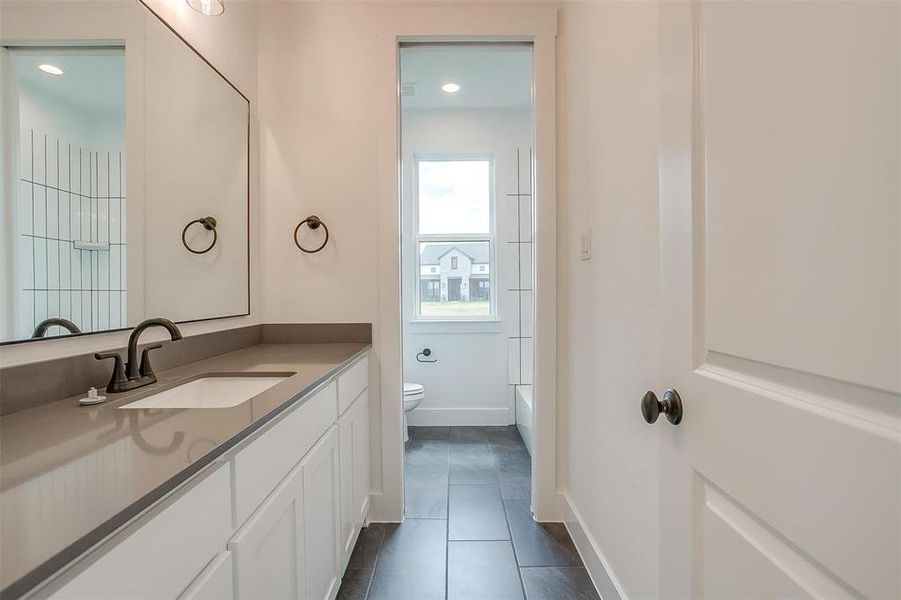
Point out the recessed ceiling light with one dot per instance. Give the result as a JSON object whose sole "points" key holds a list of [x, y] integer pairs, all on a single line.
{"points": [[210, 8], [450, 88], [50, 69]]}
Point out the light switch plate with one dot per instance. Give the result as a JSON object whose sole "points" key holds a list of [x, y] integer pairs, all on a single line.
{"points": [[585, 245]]}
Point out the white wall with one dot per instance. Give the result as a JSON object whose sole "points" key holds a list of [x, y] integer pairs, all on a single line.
{"points": [[470, 383], [230, 43], [608, 327], [319, 147]]}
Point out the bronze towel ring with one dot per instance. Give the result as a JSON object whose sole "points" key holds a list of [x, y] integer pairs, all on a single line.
{"points": [[313, 222], [209, 223]]}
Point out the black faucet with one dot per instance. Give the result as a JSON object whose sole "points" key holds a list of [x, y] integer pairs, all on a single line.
{"points": [[131, 376], [46, 324]]}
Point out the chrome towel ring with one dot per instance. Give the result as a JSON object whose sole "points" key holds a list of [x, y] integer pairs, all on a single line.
{"points": [[313, 222], [209, 223]]}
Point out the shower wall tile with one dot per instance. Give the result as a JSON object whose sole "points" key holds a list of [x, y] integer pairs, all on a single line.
{"points": [[117, 209], [527, 349], [64, 176], [525, 221], [525, 266], [521, 296], [52, 163], [67, 193], [526, 318], [38, 210], [513, 367], [36, 160]]}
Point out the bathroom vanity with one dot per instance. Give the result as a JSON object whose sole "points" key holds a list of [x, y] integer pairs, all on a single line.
{"points": [[261, 497], [237, 467]]}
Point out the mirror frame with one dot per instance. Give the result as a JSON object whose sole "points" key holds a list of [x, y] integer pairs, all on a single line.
{"points": [[191, 47]]}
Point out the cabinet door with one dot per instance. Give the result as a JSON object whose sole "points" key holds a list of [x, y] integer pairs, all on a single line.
{"points": [[347, 427], [361, 459], [321, 516], [269, 549], [353, 433], [215, 582]]}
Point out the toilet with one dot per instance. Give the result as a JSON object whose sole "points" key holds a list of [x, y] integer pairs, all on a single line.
{"points": [[414, 394]]}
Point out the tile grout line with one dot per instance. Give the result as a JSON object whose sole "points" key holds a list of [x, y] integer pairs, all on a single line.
{"points": [[375, 563], [522, 585], [447, 522]]}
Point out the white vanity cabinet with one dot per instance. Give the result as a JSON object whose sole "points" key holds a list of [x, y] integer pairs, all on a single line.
{"points": [[275, 517]]}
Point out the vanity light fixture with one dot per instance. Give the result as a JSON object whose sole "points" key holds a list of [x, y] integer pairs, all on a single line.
{"points": [[50, 69], [209, 8], [450, 88]]}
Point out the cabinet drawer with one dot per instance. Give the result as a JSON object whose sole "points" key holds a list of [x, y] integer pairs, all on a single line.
{"points": [[159, 558], [266, 460], [215, 582], [351, 383]]}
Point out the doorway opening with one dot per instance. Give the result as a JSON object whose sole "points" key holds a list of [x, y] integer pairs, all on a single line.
{"points": [[466, 125]]}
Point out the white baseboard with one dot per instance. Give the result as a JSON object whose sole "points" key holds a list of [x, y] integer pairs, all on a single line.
{"points": [[598, 568], [460, 416]]}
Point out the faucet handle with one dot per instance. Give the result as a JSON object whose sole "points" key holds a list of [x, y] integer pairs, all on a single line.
{"points": [[117, 380], [146, 368]]}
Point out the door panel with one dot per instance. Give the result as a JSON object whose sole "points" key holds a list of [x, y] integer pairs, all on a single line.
{"points": [[347, 432], [779, 182], [770, 566], [361, 459], [321, 518], [269, 549], [353, 442], [800, 133]]}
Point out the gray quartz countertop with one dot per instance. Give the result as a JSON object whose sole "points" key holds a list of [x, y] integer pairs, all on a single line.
{"points": [[70, 475]]}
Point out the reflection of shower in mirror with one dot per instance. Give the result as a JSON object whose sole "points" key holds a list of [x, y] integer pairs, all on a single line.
{"points": [[69, 231]]}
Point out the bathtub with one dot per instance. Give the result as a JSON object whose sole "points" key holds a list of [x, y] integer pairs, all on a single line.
{"points": [[524, 414]]}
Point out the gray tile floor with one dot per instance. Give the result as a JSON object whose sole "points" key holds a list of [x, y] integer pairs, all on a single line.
{"points": [[468, 532]]}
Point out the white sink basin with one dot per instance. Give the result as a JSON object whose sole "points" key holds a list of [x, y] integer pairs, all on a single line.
{"points": [[210, 392]]}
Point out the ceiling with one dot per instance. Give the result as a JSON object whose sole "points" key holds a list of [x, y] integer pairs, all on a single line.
{"points": [[92, 79], [490, 76]]}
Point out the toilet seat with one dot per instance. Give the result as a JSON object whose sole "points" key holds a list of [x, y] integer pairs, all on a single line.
{"points": [[412, 389]]}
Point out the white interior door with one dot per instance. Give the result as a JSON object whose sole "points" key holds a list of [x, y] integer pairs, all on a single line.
{"points": [[779, 180]]}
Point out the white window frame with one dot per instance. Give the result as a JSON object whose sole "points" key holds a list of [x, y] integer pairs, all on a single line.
{"points": [[489, 237]]}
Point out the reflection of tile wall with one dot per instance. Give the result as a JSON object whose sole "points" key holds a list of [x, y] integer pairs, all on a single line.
{"points": [[68, 194], [520, 343]]}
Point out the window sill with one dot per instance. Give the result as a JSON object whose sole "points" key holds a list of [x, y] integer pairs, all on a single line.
{"points": [[423, 326]]}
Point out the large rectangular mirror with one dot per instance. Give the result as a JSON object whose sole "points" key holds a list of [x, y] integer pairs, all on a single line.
{"points": [[125, 173]]}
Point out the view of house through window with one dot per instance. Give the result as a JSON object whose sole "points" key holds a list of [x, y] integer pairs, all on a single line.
{"points": [[455, 237]]}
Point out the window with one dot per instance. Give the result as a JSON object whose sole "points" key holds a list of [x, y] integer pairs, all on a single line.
{"points": [[454, 221]]}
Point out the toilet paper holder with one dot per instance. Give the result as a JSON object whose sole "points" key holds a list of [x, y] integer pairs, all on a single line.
{"points": [[423, 356]]}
